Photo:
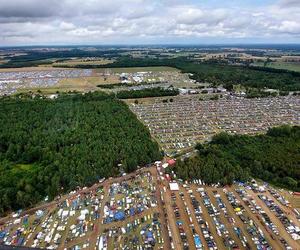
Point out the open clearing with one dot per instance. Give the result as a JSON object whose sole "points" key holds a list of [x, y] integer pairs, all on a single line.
{"points": [[294, 199], [86, 83], [3, 61], [77, 62], [82, 84]]}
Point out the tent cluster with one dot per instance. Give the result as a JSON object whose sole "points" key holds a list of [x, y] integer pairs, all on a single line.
{"points": [[129, 198], [71, 219], [11, 81], [180, 124]]}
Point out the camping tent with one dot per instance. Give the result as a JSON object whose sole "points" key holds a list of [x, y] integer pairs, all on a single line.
{"points": [[120, 215]]}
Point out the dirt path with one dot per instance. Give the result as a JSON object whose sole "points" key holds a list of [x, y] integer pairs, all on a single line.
{"points": [[195, 222], [99, 226], [238, 221], [161, 210], [287, 210], [224, 220], [211, 224], [186, 222], [172, 220], [282, 232], [274, 243]]}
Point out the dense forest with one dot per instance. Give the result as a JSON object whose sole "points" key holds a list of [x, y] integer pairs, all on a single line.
{"points": [[50, 146], [149, 92], [273, 157], [115, 85], [228, 75]]}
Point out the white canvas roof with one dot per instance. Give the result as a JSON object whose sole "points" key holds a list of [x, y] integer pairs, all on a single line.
{"points": [[165, 165], [174, 186]]}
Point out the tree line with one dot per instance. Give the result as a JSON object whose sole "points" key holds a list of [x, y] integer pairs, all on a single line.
{"points": [[147, 92], [273, 157], [36, 58]]}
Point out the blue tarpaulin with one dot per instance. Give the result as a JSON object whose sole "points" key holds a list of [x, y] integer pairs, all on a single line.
{"points": [[197, 241], [2, 234], [120, 215]]}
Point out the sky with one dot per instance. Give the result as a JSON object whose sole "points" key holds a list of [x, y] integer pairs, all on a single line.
{"points": [[104, 22]]}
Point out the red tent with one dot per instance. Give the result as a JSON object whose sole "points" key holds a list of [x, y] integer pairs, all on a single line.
{"points": [[171, 162]]}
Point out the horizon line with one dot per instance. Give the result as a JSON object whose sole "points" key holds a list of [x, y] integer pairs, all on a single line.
{"points": [[144, 45]]}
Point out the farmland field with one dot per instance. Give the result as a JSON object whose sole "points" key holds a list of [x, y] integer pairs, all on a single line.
{"points": [[3, 61], [293, 66], [137, 69], [83, 84], [74, 62]]}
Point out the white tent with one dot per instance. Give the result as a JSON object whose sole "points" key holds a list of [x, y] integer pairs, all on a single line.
{"points": [[174, 186]]}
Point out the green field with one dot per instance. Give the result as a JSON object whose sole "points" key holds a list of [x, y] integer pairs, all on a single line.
{"points": [[282, 65], [136, 69], [82, 61]]}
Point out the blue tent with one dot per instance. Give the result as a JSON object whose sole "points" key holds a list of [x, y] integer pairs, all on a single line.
{"points": [[2, 234], [149, 235], [132, 211], [179, 222], [120, 215]]}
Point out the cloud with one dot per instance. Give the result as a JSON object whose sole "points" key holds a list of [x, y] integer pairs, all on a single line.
{"points": [[143, 21], [29, 8], [289, 3], [289, 27], [192, 15]]}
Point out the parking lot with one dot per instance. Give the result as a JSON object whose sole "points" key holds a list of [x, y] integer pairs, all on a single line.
{"points": [[151, 210], [11, 81], [179, 124], [227, 217]]}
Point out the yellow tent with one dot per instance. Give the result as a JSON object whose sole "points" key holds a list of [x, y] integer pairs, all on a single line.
{"points": [[237, 209]]}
